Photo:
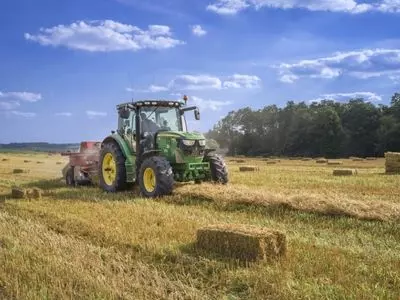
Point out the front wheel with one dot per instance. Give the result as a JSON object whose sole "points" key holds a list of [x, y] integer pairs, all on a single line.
{"points": [[219, 171], [112, 171], [156, 177]]}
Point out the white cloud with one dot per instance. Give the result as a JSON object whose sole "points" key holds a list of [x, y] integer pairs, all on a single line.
{"points": [[242, 81], [369, 96], [360, 64], [105, 36], [20, 96], [209, 104], [198, 30], [23, 114], [94, 114], [195, 82], [9, 105], [151, 89], [63, 114], [228, 7], [231, 7]]}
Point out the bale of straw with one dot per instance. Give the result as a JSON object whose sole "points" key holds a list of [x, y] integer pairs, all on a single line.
{"points": [[249, 243], [321, 161], [271, 162], [344, 172], [357, 159], [18, 171], [58, 163], [335, 163], [248, 168], [18, 193], [371, 158], [240, 161], [5, 159], [40, 162], [27, 161], [35, 193], [392, 162], [306, 159]]}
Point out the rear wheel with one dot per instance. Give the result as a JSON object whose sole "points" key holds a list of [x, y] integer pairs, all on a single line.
{"points": [[219, 171], [69, 177], [112, 168], [156, 177]]}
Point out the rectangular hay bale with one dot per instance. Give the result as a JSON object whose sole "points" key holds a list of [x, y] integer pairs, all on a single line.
{"points": [[243, 242], [335, 163], [248, 168], [392, 162], [344, 172]]}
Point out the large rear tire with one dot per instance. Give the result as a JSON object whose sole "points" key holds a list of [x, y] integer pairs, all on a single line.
{"points": [[156, 178], [219, 171], [112, 171]]}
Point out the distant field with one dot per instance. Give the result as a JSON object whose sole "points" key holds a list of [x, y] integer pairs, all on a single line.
{"points": [[343, 235]]}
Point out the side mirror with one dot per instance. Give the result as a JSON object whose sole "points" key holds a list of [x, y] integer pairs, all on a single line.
{"points": [[124, 113], [197, 114]]}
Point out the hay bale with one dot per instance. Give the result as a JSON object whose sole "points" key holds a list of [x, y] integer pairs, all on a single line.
{"points": [[335, 163], [240, 161], [306, 159], [18, 193], [357, 159], [58, 163], [40, 162], [392, 162], [344, 172], [321, 161], [371, 158], [35, 193], [242, 242], [248, 168], [18, 171], [27, 161], [271, 162], [5, 159]]}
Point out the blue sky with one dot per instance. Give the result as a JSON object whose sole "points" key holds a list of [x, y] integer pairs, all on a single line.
{"points": [[65, 65]]}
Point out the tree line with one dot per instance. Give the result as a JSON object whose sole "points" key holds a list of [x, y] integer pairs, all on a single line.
{"points": [[327, 128]]}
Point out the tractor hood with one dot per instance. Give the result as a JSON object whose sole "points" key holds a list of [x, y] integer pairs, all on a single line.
{"points": [[182, 134]]}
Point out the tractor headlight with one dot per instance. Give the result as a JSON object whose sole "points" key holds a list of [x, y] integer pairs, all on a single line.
{"points": [[188, 142], [202, 143]]}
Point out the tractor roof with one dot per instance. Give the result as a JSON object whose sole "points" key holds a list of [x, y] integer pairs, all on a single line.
{"points": [[150, 102]]}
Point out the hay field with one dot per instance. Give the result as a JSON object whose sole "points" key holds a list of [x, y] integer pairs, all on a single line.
{"points": [[343, 235]]}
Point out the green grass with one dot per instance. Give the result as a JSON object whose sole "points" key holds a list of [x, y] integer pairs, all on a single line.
{"points": [[84, 243]]}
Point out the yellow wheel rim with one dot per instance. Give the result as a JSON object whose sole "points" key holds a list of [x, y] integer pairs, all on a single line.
{"points": [[149, 180], [109, 168]]}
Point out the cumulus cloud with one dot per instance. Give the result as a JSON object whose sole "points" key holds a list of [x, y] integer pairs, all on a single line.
{"points": [[195, 82], [360, 64], [151, 89], [9, 105], [209, 104], [20, 96], [23, 114], [369, 96], [232, 7], [63, 114], [242, 81], [105, 36], [94, 114], [198, 30]]}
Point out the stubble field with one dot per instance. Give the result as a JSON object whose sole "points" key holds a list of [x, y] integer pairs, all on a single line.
{"points": [[81, 243]]}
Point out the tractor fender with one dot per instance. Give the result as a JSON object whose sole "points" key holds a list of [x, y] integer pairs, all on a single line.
{"points": [[129, 156]]}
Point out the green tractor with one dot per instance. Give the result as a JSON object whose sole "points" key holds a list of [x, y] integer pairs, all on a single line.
{"points": [[153, 148]]}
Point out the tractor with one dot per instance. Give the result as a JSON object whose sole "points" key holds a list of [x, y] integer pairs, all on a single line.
{"points": [[153, 148]]}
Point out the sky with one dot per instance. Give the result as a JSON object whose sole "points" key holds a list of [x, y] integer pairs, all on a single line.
{"points": [[65, 65]]}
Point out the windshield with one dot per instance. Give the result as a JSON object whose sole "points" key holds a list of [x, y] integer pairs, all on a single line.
{"points": [[160, 118]]}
